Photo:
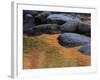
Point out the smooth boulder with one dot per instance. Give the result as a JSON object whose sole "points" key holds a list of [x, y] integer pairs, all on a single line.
{"points": [[69, 26], [86, 49], [84, 28], [47, 28], [60, 18], [72, 39]]}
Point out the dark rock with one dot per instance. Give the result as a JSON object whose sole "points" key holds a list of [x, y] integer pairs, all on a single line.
{"points": [[28, 18], [84, 28], [60, 18], [69, 26], [28, 28], [42, 18], [72, 39], [86, 49], [31, 12], [47, 28]]}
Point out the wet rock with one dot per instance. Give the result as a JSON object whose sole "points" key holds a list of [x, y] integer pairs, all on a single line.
{"points": [[47, 28], [69, 26], [72, 39], [42, 18], [84, 28], [60, 18], [86, 49]]}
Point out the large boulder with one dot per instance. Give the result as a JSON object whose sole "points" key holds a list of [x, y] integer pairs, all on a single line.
{"points": [[42, 18], [72, 39], [60, 18], [86, 49], [84, 28], [69, 26], [47, 28]]}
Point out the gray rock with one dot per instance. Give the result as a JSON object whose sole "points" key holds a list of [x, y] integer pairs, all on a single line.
{"points": [[28, 18], [60, 18], [31, 12], [84, 28], [28, 28], [42, 18], [47, 28], [69, 26], [72, 39], [86, 49]]}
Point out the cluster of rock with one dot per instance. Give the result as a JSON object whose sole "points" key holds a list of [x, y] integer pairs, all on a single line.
{"points": [[73, 31], [73, 40]]}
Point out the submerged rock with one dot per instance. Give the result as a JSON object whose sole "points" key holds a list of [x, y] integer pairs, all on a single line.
{"points": [[72, 39], [86, 49]]}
